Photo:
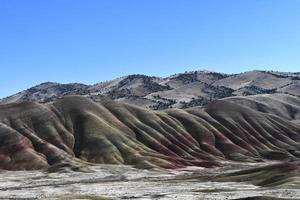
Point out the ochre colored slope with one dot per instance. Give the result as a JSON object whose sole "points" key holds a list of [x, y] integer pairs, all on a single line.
{"points": [[283, 105], [35, 136], [283, 175]]}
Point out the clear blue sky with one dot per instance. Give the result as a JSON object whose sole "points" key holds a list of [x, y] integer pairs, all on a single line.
{"points": [[90, 41]]}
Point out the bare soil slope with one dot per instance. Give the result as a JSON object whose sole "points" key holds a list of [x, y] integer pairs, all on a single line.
{"points": [[75, 129]]}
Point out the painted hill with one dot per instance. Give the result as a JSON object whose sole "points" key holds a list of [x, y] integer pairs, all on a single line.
{"points": [[183, 90], [75, 129]]}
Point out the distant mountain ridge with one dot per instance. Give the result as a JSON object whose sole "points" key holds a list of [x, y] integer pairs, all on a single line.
{"points": [[183, 90]]}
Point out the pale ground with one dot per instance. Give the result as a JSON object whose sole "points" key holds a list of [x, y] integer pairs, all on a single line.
{"points": [[125, 182]]}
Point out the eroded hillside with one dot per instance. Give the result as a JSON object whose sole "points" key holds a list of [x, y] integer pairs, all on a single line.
{"points": [[35, 136]]}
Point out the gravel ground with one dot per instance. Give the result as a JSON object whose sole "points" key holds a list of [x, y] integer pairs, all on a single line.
{"points": [[126, 182]]}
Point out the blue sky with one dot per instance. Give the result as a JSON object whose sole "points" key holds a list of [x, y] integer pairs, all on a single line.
{"points": [[90, 41]]}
